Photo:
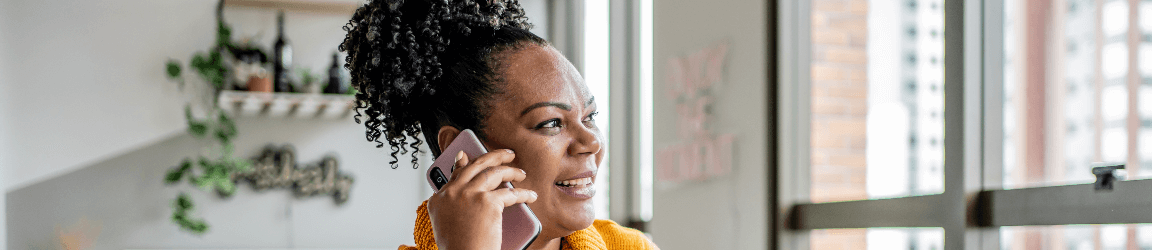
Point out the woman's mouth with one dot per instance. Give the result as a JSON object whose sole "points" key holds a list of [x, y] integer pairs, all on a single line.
{"points": [[576, 182], [580, 188]]}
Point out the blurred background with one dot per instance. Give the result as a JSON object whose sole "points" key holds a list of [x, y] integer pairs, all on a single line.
{"points": [[731, 124]]}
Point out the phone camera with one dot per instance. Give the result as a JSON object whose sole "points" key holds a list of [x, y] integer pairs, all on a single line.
{"points": [[438, 178]]}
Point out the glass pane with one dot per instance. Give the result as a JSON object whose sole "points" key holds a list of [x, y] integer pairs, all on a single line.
{"points": [[1077, 89], [596, 76], [877, 99], [877, 238], [1105, 237]]}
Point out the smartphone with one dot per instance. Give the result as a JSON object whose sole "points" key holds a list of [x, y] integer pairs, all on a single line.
{"points": [[520, 225]]}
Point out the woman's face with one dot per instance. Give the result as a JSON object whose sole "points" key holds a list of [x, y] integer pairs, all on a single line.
{"points": [[545, 115]]}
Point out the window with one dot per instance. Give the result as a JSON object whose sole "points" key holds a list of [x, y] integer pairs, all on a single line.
{"points": [[878, 238], [877, 99], [1032, 95], [596, 77], [876, 112], [1071, 97], [1072, 94], [1107, 237]]}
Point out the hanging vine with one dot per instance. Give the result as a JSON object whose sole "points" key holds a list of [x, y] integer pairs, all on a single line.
{"points": [[210, 172]]}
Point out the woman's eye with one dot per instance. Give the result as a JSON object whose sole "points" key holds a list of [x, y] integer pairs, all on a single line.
{"points": [[591, 117], [553, 123]]}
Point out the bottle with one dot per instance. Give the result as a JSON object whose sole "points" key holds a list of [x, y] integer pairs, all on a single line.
{"points": [[335, 83], [282, 59]]}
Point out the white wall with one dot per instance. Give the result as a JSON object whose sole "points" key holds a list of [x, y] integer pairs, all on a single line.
{"points": [[87, 81], [729, 211], [4, 131], [537, 12], [126, 197]]}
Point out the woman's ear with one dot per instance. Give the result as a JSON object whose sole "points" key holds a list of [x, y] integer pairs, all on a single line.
{"points": [[445, 136]]}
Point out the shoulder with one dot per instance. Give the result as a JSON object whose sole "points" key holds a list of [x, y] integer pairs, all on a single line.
{"points": [[620, 237]]}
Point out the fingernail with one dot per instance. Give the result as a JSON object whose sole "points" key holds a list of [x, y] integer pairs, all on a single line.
{"points": [[509, 151], [522, 171], [533, 193], [459, 156]]}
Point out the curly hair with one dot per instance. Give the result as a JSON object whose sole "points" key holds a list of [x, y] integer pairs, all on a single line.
{"points": [[418, 65]]}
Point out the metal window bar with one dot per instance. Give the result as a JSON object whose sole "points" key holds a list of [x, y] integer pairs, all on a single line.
{"points": [[1127, 203]]}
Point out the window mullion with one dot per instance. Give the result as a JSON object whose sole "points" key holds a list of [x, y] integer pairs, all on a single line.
{"points": [[962, 141], [794, 95], [989, 41]]}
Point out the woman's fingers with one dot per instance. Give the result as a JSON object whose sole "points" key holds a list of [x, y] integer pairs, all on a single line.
{"points": [[470, 168], [511, 196], [491, 178], [461, 162]]}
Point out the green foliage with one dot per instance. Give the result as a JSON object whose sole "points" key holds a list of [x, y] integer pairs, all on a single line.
{"points": [[175, 175], [225, 129], [180, 208], [217, 174], [307, 77], [173, 67], [223, 35], [196, 128], [211, 67], [214, 172]]}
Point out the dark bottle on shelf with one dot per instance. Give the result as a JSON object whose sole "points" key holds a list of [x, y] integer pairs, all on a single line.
{"points": [[281, 81], [336, 84]]}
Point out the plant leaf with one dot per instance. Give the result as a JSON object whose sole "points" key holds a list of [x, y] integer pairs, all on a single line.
{"points": [[223, 35], [183, 203], [240, 165], [226, 186], [225, 129], [180, 209], [198, 61], [197, 128], [173, 67], [175, 175]]}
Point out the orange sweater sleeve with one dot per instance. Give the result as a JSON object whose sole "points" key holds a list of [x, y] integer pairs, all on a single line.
{"points": [[620, 237], [422, 232]]}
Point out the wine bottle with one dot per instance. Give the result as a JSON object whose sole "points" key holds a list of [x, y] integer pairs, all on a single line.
{"points": [[282, 59], [335, 83]]}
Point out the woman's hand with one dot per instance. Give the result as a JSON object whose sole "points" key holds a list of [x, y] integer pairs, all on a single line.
{"points": [[466, 212]]}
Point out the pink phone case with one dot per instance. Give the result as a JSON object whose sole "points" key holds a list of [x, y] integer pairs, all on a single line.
{"points": [[520, 226]]}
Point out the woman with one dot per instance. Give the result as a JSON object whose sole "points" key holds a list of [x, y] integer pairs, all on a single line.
{"points": [[437, 67]]}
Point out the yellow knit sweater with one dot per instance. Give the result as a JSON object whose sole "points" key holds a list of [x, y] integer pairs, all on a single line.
{"points": [[602, 235]]}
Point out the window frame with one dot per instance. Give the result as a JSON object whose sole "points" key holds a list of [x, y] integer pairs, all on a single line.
{"points": [[974, 205]]}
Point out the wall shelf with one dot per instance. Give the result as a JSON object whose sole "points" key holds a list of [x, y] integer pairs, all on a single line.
{"points": [[342, 7], [265, 104]]}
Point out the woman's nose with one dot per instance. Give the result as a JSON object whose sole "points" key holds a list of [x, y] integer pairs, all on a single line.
{"points": [[586, 140]]}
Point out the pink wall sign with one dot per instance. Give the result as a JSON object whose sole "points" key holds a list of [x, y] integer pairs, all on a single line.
{"points": [[700, 153]]}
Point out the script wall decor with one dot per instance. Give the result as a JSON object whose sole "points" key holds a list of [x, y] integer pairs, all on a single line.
{"points": [[276, 168]]}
